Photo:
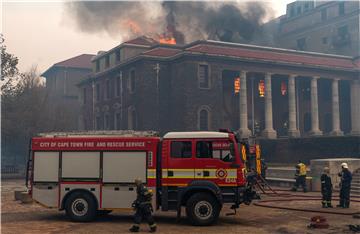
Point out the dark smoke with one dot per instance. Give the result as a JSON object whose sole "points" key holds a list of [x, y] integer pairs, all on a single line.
{"points": [[186, 21]]}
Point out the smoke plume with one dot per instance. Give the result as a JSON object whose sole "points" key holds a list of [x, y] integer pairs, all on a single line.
{"points": [[184, 21]]}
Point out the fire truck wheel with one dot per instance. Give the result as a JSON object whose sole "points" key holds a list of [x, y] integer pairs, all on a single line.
{"points": [[202, 209], [80, 207]]}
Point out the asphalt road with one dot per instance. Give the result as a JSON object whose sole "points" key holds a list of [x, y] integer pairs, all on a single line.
{"points": [[32, 218]]}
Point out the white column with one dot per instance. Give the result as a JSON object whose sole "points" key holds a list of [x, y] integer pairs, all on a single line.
{"points": [[315, 131], [293, 131], [335, 109], [244, 131], [269, 131], [355, 107]]}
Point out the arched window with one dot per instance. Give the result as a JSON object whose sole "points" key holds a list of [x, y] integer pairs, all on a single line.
{"points": [[204, 118], [132, 118]]}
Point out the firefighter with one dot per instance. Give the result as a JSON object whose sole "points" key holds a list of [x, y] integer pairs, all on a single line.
{"points": [[345, 186], [326, 188], [143, 207], [300, 177]]}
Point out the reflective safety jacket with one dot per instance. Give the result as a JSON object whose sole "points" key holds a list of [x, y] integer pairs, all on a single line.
{"points": [[301, 169], [144, 196]]}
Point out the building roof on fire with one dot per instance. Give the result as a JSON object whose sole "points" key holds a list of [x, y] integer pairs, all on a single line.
{"points": [[82, 61]]}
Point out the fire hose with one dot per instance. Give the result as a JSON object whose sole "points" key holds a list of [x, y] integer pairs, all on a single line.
{"points": [[288, 197]]}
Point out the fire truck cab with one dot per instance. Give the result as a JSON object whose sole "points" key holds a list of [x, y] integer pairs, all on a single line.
{"points": [[90, 174]]}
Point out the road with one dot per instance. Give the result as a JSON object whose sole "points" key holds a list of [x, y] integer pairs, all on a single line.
{"points": [[32, 218]]}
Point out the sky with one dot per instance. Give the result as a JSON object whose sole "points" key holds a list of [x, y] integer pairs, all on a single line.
{"points": [[40, 33]]}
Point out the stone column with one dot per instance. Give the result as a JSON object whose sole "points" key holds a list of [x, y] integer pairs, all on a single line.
{"points": [[244, 131], [315, 131], [355, 107], [335, 109], [269, 131], [293, 131]]}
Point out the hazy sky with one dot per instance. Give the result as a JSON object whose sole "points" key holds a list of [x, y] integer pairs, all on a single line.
{"points": [[41, 33]]}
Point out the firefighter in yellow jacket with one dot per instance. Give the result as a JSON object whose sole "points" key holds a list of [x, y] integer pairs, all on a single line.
{"points": [[300, 177], [143, 207]]}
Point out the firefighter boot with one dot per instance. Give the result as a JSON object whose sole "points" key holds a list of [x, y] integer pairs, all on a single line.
{"points": [[324, 204], [153, 228], [134, 228]]}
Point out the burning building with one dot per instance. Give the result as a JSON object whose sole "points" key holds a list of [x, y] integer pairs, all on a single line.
{"points": [[206, 85]]}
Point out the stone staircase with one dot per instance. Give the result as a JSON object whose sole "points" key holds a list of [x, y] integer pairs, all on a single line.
{"points": [[355, 184]]}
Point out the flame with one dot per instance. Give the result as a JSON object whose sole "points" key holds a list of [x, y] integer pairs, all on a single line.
{"points": [[167, 40]]}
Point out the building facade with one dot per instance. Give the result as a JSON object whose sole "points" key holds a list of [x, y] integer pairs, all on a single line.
{"points": [[208, 85], [63, 94], [330, 27]]}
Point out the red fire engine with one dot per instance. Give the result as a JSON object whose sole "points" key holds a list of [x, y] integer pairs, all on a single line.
{"points": [[94, 173]]}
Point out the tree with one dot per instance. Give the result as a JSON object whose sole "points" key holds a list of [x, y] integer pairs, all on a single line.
{"points": [[23, 115], [9, 70]]}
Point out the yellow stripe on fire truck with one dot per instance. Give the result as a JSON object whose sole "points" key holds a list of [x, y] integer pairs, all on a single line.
{"points": [[200, 173], [151, 173]]}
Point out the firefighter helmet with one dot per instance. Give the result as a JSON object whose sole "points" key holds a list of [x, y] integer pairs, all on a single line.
{"points": [[344, 165], [326, 170]]}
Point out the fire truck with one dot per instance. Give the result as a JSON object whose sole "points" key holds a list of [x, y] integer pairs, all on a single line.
{"points": [[92, 174]]}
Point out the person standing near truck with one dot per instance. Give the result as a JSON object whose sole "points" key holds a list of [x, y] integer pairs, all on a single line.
{"points": [[143, 207], [300, 177], [326, 188]]}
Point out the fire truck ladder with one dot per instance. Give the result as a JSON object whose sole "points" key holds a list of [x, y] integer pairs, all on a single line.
{"points": [[29, 166]]}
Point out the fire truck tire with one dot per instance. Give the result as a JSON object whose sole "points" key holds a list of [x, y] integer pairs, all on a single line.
{"points": [[202, 209], [80, 207]]}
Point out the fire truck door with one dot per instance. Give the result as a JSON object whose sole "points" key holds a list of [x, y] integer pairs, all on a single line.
{"points": [[213, 160], [179, 170]]}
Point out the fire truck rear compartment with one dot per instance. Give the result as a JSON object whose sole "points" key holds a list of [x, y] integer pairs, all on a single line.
{"points": [[57, 174]]}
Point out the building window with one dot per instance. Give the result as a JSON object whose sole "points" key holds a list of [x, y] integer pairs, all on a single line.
{"points": [[204, 118], [323, 14], [107, 61], [97, 92], [203, 76], [131, 81], [132, 118], [117, 121], [324, 40], [181, 149], [306, 7], [84, 95], [106, 121], [108, 89], [97, 68], [292, 11], [98, 123], [341, 8], [298, 10], [118, 55], [343, 32], [301, 43], [118, 86]]}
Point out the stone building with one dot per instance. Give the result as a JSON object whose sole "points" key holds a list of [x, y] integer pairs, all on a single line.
{"points": [[330, 27], [63, 94], [208, 85]]}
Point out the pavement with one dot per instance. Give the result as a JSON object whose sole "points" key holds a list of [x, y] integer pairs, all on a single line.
{"points": [[33, 218]]}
